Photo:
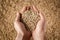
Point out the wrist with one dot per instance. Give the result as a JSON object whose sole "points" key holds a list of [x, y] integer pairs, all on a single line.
{"points": [[19, 37], [22, 37], [26, 37]]}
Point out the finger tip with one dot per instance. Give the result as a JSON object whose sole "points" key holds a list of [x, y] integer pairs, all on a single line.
{"points": [[17, 14]]}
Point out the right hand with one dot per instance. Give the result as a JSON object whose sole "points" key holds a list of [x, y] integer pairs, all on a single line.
{"points": [[38, 33]]}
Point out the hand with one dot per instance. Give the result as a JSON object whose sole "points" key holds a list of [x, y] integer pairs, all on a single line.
{"points": [[38, 33], [22, 33]]}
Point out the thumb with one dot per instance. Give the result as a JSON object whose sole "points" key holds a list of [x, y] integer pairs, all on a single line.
{"points": [[18, 17], [41, 16], [41, 23]]}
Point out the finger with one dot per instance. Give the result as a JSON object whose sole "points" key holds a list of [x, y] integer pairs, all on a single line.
{"points": [[28, 7], [18, 16], [32, 8], [41, 16], [23, 9]]}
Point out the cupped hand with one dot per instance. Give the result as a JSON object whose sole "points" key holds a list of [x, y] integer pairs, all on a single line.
{"points": [[39, 32], [20, 27]]}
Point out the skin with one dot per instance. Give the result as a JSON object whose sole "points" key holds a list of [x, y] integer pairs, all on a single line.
{"points": [[22, 33], [38, 33]]}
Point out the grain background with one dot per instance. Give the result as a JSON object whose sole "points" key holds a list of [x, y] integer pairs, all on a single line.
{"points": [[9, 8]]}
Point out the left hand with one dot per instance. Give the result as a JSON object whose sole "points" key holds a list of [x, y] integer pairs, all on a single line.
{"points": [[20, 28]]}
